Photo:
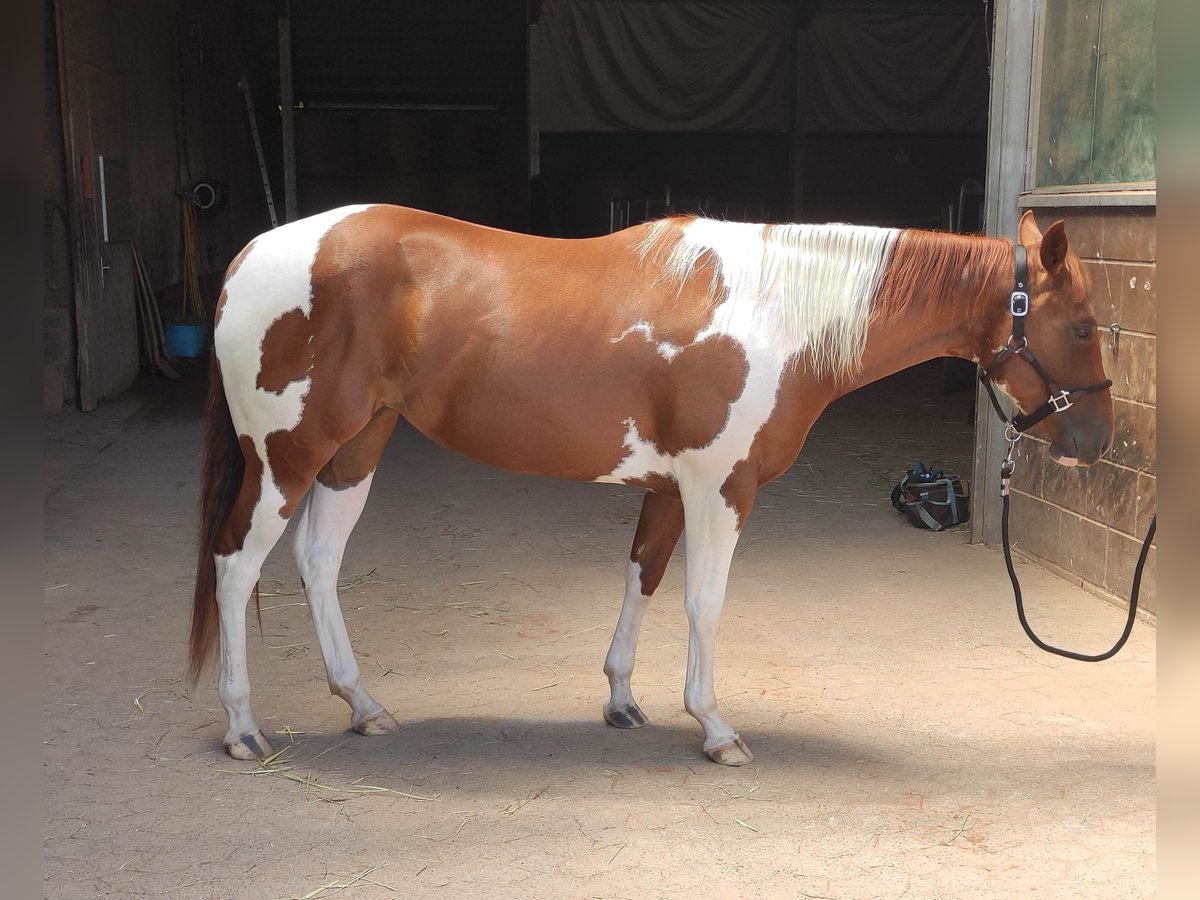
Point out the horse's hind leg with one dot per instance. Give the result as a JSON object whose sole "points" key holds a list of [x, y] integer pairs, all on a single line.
{"points": [[658, 530], [330, 513], [269, 495], [236, 575]]}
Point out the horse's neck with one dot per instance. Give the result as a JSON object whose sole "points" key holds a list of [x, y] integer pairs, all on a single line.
{"points": [[942, 295]]}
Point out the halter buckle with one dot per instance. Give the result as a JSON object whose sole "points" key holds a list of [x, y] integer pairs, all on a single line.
{"points": [[1018, 303], [1060, 401]]}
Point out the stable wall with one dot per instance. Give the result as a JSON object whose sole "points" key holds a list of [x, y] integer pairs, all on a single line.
{"points": [[155, 86], [1088, 524]]}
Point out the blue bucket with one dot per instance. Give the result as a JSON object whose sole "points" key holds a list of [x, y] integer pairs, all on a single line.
{"points": [[185, 340]]}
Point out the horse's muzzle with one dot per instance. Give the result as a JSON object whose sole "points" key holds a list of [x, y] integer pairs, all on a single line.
{"points": [[1069, 451]]}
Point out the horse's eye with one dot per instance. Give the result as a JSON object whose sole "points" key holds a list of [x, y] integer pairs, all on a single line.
{"points": [[1083, 332]]}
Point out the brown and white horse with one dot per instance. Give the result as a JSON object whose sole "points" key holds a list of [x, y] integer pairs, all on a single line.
{"points": [[688, 356]]}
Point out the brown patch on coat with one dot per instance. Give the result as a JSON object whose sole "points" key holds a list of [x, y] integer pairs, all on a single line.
{"points": [[940, 295], [359, 456], [344, 346], [801, 398], [237, 525], [937, 276], [512, 350], [659, 526], [693, 392], [741, 487], [286, 352], [571, 420]]}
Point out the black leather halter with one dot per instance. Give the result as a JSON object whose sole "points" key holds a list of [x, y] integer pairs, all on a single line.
{"points": [[1060, 399]]}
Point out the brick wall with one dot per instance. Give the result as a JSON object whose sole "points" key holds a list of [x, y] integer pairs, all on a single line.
{"points": [[1088, 524]]}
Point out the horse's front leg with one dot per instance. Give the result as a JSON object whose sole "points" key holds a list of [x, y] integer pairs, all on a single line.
{"points": [[658, 530], [712, 529]]}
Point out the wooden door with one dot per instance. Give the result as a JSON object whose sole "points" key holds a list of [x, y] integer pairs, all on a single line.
{"points": [[94, 127]]}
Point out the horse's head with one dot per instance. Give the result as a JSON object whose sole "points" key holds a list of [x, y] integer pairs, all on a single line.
{"points": [[1063, 335]]}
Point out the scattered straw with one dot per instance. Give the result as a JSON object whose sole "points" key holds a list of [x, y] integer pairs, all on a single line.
{"points": [[728, 793], [511, 809], [336, 887], [280, 605], [744, 825], [349, 584], [386, 671], [577, 633], [153, 753], [309, 782], [334, 747], [274, 765]]}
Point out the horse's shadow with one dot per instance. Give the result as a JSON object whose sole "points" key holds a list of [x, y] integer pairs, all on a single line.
{"points": [[481, 744], [492, 755]]}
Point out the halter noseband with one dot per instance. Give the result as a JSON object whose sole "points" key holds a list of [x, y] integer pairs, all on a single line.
{"points": [[1061, 399]]}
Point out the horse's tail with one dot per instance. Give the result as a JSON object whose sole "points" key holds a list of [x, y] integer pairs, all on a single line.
{"points": [[220, 481]]}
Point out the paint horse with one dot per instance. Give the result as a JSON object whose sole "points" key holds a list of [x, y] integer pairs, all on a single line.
{"points": [[688, 357]]}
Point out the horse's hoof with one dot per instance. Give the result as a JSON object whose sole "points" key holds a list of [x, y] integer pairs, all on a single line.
{"points": [[625, 717], [249, 746], [731, 753], [380, 723]]}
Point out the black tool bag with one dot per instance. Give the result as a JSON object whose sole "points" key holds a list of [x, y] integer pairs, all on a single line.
{"points": [[932, 499]]}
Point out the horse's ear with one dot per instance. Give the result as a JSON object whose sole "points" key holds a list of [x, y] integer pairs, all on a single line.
{"points": [[1028, 232], [1054, 247]]}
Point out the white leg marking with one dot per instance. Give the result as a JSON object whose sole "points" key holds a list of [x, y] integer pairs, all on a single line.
{"points": [[325, 524], [711, 537], [622, 709], [236, 576]]}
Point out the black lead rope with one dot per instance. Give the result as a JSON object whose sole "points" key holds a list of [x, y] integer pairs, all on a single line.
{"points": [[1015, 427], [1006, 472]]}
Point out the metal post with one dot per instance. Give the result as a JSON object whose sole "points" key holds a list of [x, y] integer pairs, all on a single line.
{"points": [[258, 149], [1008, 147], [288, 110]]}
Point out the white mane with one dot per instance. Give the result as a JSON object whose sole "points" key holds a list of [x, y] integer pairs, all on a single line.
{"points": [[803, 287]]}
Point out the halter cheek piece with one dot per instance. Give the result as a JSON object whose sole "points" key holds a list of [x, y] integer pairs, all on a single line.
{"points": [[1061, 399]]}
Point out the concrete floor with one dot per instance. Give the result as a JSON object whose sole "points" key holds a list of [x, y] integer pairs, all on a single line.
{"points": [[909, 741]]}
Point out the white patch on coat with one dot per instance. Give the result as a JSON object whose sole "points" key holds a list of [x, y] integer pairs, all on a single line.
{"points": [[804, 287], [274, 278], [778, 290], [666, 349]]}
